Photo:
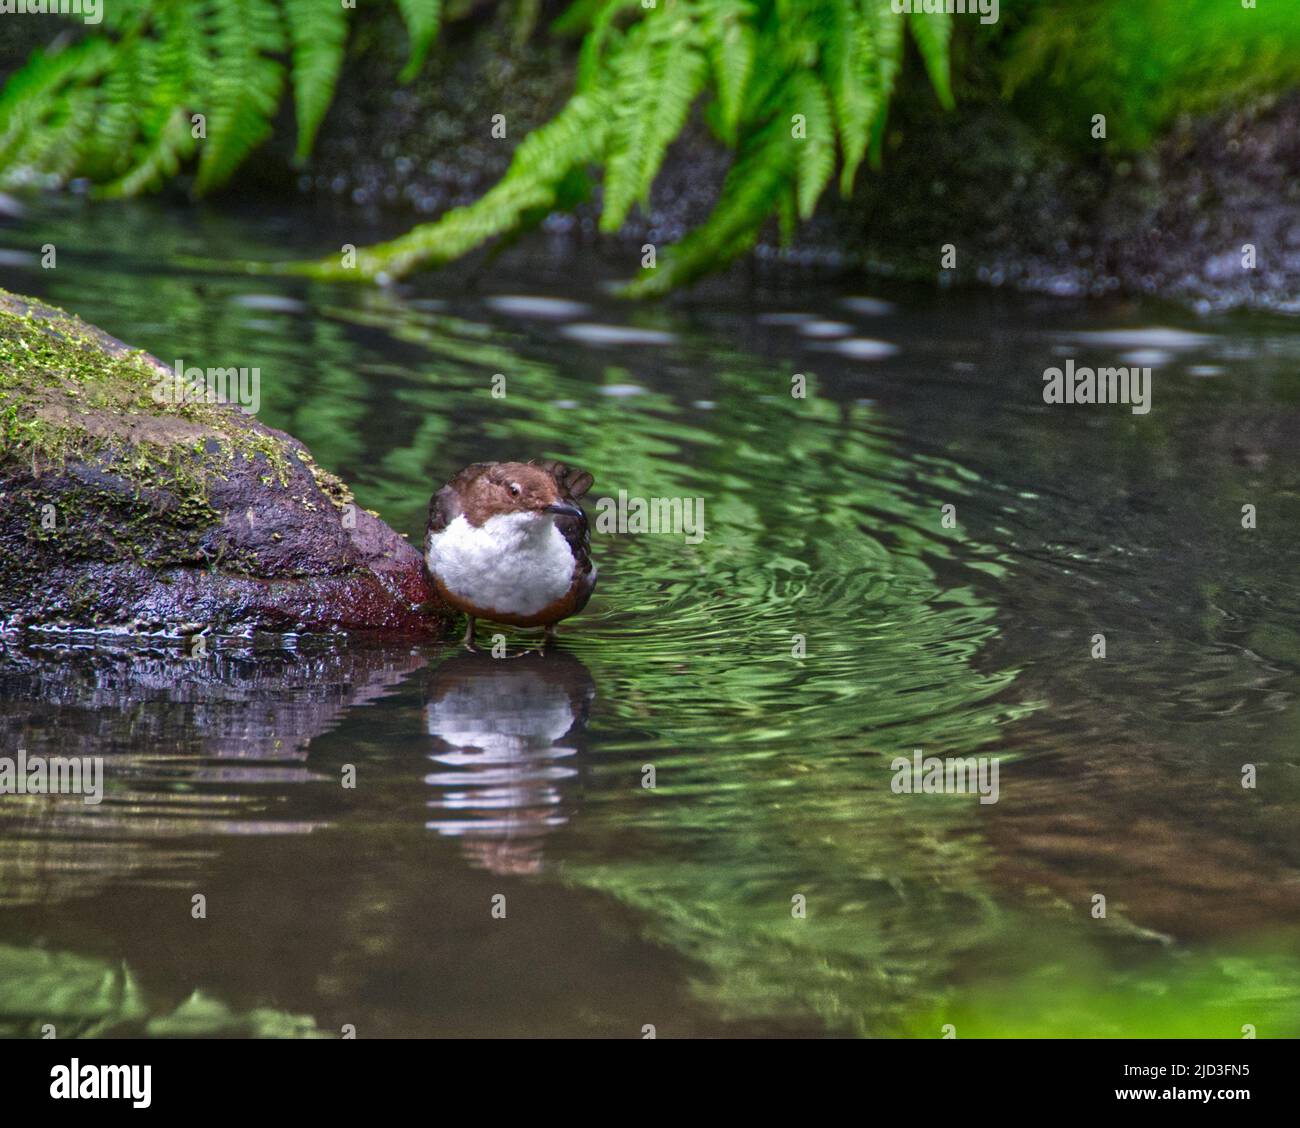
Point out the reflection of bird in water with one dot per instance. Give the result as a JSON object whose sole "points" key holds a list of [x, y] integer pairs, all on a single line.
{"points": [[505, 734]]}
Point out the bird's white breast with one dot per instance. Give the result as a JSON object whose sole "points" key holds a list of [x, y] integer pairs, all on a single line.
{"points": [[514, 564]]}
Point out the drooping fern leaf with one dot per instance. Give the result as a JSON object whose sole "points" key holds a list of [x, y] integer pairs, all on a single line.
{"points": [[138, 79], [36, 95], [658, 74], [116, 107], [318, 32], [732, 45], [887, 34], [533, 184], [834, 62], [422, 18], [119, 124], [932, 33], [816, 149], [849, 64], [182, 57], [758, 182], [245, 89]]}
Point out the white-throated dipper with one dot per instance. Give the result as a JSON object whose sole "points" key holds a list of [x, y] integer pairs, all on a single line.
{"points": [[507, 542]]}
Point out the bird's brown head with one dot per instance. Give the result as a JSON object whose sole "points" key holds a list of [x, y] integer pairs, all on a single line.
{"points": [[513, 487]]}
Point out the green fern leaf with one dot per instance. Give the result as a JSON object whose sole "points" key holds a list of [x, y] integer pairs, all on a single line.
{"points": [[849, 66], [184, 59], [160, 161], [816, 163], [787, 216], [422, 18], [32, 95], [175, 71], [116, 107], [58, 144], [601, 15], [657, 76], [196, 47], [532, 184], [124, 89], [887, 34], [931, 34], [755, 186], [245, 88], [732, 46], [317, 31]]}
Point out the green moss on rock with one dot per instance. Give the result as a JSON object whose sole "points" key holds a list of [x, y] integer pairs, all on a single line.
{"points": [[120, 502]]}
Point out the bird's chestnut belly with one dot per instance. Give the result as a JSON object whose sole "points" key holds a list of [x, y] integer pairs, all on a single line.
{"points": [[553, 612]]}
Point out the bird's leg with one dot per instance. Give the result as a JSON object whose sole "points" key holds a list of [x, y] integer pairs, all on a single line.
{"points": [[549, 636], [469, 632]]}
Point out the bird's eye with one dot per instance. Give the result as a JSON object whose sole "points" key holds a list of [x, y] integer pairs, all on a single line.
{"points": [[514, 489]]}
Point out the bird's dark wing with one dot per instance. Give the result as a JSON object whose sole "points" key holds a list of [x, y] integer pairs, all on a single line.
{"points": [[573, 483], [575, 531], [443, 509]]}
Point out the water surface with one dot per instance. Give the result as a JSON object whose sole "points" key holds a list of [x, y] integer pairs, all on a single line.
{"points": [[771, 882]]}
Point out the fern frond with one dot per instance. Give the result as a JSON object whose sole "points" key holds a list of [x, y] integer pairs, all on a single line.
{"points": [[123, 90], [159, 161], [151, 59], [317, 33], [887, 34], [31, 97], [65, 142], [816, 164], [422, 18], [658, 74], [850, 70], [535, 180], [732, 47], [116, 107], [787, 216], [245, 89], [834, 61], [53, 148], [601, 15], [177, 69], [754, 187], [932, 34]]}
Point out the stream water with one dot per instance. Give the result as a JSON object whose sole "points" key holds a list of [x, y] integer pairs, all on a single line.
{"points": [[772, 881]]}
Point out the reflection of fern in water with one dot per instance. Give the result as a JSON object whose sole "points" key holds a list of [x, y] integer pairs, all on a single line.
{"points": [[796, 87], [117, 107]]}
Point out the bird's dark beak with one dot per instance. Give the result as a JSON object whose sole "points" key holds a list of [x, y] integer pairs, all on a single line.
{"points": [[566, 508]]}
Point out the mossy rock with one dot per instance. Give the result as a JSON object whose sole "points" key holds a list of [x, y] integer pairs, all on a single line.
{"points": [[120, 510]]}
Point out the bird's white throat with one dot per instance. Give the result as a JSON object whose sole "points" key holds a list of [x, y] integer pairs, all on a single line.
{"points": [[514, 563]]}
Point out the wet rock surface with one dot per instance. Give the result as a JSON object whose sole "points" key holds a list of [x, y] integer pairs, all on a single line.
{"points": [[1023, 211], [119, 512]]}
